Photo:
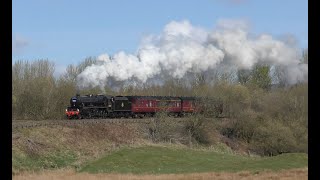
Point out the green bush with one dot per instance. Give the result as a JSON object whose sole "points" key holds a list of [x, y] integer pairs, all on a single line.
{"points": [[273, 138]]}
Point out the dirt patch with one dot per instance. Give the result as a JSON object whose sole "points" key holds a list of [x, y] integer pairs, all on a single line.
{"points": [[294, 174]]}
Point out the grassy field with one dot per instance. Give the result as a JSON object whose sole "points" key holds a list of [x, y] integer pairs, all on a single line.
{"points": [[164, 160], [116, 151]]}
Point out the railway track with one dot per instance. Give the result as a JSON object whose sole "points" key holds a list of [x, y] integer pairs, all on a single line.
{"points": [[50, 123], [18, 124]]}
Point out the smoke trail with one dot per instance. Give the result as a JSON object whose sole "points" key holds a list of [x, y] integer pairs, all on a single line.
{"points": [[182, 48]]}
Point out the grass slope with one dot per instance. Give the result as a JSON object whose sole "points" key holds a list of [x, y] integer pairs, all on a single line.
{"points": [[50, 160], [158, 160]]}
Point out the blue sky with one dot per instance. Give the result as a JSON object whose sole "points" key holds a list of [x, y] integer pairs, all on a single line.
{"points": [[67, 31]]}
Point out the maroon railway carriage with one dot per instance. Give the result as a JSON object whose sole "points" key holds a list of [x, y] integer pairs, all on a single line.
{"points": [[143, 105], [188, 105], [149, 105], [172, 105]]}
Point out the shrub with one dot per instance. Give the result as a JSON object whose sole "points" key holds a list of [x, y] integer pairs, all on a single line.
{"points": [[273, 138]]}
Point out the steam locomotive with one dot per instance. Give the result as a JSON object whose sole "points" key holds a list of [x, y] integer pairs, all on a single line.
{"points": [[106, 106]]}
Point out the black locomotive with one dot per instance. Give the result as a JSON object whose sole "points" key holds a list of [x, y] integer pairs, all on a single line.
{"points": [[98, 106]]}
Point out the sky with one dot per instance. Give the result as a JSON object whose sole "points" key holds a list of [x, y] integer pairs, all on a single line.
{"points": [[66, 32]]}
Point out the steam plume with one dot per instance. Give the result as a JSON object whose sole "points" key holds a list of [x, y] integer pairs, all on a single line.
{"points": [[182, 48]]}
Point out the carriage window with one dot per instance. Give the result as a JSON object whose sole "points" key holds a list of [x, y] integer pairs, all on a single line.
{"points": [[163, 103], [150, 103], [172, 104]]}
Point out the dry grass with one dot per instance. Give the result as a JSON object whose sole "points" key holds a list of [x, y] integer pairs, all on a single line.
{"points": [[84, 142], [293, 174], [76, 137]]}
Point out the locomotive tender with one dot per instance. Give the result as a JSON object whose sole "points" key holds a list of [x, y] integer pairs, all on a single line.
{"points": [[105, 106]]}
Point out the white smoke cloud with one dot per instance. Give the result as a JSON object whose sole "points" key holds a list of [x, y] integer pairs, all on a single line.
{"points": [[182, 48], [297, 73]]}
